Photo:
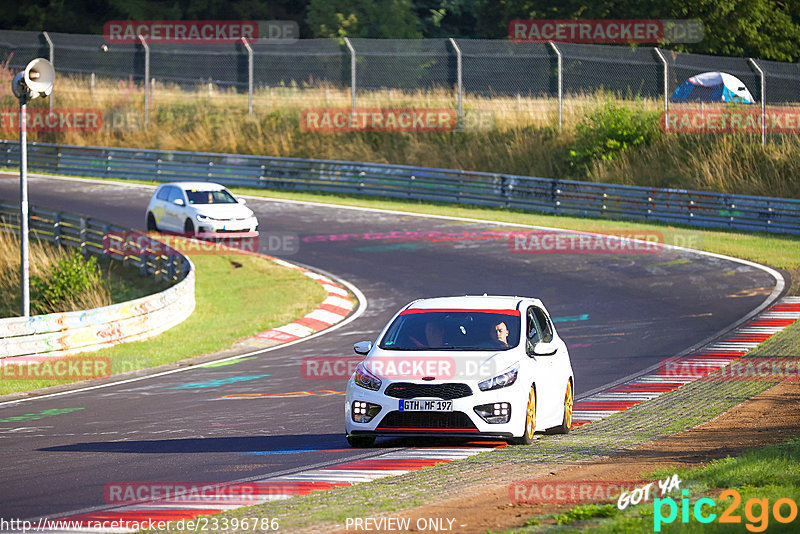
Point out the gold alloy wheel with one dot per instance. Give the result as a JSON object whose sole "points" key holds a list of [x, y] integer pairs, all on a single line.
{"points": [[530, 420], [568, 401]]}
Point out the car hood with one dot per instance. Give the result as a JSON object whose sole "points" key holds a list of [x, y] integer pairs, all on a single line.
{"points": [[439, 365], [224, 211]]}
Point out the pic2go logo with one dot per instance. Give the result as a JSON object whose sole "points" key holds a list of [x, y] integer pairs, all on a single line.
{"points": [[756, 511]]}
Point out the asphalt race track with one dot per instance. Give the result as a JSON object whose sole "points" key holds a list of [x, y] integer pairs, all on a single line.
{"points": [[618, 313]]}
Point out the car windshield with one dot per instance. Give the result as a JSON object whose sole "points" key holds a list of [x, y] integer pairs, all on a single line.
{"points": [[221, 196], [453, 330]]}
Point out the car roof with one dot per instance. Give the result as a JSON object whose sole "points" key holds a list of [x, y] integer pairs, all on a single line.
{"points": [[471, 302], [197, 186]]}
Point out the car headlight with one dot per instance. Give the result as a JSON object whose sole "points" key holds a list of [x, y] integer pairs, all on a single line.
{"points": [[505, 379], [201, 217], [365, 379]]}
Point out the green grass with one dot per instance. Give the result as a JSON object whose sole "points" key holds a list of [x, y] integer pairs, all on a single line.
{"points": [[773, 465], [771, 473], [126, 283], [236, 296], [585, 511]]}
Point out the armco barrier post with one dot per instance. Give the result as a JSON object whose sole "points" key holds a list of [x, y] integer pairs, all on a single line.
{"points": [[82, 235], [57, 229], [106, 231], [170, 267]]}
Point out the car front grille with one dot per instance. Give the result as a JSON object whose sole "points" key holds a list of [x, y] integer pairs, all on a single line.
{"points": [[407, 390], [411, 421]]}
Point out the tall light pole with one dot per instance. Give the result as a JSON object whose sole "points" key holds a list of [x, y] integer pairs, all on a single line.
{"points": [[35, 81]]}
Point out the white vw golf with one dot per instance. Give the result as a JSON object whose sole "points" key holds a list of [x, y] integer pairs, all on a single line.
{"points": [[199, 207], [484, 366]]}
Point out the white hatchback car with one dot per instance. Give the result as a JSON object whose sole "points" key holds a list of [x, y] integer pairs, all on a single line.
{"points": [[199, 208], [484, 366]]}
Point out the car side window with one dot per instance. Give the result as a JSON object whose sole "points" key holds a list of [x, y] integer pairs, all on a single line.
{"points": [[545, 328], [163, 193], [531, 329], [174, 193]]}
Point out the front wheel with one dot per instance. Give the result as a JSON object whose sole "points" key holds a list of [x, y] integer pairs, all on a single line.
{"points": [[188, 228], [530, 421], [151, 223], [361, 441], [566, 423]]}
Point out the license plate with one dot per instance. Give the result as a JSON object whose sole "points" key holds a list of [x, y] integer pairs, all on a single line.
{"points": [[426, 406]]}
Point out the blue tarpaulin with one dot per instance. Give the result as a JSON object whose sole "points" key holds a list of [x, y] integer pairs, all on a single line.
{"points": [[713, 87]]}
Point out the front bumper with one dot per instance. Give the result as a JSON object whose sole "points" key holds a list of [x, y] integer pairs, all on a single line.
{"points": [[222, 236], [227, 227], [464, 421]]}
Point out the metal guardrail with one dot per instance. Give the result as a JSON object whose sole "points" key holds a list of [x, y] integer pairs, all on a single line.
{"points": [[61, 334], [97, 237], [560, 197]]}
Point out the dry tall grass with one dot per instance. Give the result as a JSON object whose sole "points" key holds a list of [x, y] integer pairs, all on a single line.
{"points": [[523, 138], [42, 258], [724, 163]]}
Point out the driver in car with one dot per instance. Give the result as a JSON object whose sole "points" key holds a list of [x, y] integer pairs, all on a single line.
{"points": [[500, 334], [434, 334]]}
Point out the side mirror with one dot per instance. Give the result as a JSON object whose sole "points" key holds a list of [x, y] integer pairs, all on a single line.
{"points": [[544, 349], [363, 347], [242, 201], [178, 202]]}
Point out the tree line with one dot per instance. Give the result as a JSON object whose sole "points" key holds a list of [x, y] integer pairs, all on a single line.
{"points": [[767, 29]]}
